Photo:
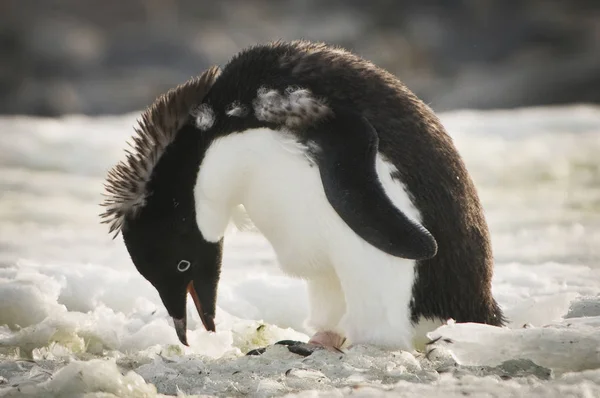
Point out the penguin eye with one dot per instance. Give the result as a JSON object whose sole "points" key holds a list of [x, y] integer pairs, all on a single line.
{"points": [[183, 265]]}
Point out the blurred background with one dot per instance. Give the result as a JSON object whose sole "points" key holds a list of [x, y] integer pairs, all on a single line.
{"points": [[116, 56]]}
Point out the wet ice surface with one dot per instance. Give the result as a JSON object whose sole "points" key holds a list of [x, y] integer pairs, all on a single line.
{"points": [[76, 318]]}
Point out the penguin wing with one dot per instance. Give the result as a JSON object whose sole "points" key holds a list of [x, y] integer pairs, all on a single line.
{"points": [[346, 151]]}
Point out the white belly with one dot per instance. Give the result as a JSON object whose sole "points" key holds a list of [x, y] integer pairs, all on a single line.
{"points": [[354, 288], [286, 202]]}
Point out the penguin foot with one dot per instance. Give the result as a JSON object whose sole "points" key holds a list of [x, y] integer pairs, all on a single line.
{"points": [[329, 340]]}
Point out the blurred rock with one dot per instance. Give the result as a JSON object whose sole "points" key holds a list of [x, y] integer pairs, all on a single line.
{"points": [[68, 56], [507, 370]]}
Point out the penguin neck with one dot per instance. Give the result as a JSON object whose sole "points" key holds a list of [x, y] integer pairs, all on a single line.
{"points": [[228, 172]]}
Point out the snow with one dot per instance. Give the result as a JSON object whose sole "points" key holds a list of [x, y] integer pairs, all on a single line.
{"points": [[76, 318]]}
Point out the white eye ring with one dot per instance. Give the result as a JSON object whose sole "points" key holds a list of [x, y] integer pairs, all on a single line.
{"points": [[183, 265]]}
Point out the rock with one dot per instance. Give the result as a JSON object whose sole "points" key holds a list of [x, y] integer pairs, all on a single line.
{"points": [[524, 368], [115, 57], [584, 307], [507, 370]]}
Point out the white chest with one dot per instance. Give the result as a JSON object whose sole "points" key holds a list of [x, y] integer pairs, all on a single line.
{"points": [[282, 192], [351, 284]]}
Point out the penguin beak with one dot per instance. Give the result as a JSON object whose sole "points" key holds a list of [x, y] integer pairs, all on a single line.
{"points": [[205, 316]]}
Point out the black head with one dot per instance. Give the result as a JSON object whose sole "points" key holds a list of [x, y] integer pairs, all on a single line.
{"points": [[169, 251], [163, 238], [151, 201], [164, 241]]}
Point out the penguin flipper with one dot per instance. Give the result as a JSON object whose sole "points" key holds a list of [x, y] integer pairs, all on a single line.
{"points": [[345, 152]]}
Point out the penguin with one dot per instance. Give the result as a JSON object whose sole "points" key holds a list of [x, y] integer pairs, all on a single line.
{"points": [[351, 178]]}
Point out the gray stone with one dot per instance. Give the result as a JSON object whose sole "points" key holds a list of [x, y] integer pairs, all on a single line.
{"points": [[68, 56]]}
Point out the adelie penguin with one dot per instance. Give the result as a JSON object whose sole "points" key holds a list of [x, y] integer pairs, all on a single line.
{"points": [[351, 178]]}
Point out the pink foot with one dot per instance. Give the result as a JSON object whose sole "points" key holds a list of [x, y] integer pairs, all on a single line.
{"points": [[329, 340]]}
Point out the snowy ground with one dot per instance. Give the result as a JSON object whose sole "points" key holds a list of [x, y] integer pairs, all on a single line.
{"points": [[76, 317]]}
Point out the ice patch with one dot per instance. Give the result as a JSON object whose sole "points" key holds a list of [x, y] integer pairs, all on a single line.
{"points": [[94, 378], [568, 346], [72, 305]]}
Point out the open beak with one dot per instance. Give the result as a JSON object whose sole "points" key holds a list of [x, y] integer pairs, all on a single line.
{"points": [[181, 324]]}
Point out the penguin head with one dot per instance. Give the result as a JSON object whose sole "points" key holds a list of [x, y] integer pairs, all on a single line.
{"points": [[170, 252], [150, 201]]}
